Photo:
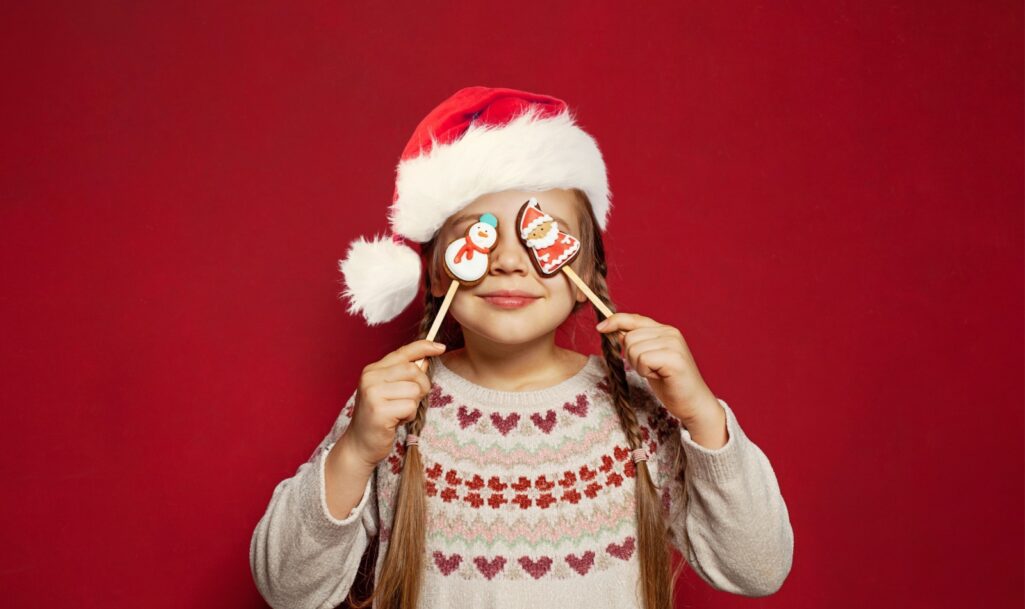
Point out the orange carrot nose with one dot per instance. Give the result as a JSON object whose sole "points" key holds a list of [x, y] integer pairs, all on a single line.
{"points": [[481, 234]]}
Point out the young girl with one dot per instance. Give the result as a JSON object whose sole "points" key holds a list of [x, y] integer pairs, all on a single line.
{"points": [[497, 469]]}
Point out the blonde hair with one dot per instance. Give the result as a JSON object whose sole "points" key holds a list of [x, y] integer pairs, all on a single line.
{"points": [[398, 585]]}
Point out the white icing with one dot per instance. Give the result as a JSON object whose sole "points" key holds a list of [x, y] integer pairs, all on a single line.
{"points": [[471, 268]]}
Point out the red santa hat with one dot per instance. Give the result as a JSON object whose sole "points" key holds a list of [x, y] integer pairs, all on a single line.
{"points": [[478, 141]]}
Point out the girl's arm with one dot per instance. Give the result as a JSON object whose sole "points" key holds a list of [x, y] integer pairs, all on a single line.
{"points": [[302, 556], [735, 528]]}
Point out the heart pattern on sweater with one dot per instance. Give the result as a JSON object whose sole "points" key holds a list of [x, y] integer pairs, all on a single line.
{"points": [[547, 423], [622, 551], [521, 484], [467, 417], [494, 567], [536, 568], [434, 471], [505, 424], [579, 408], [437, 398], [489, 568], [582, 564], [447, 564]]}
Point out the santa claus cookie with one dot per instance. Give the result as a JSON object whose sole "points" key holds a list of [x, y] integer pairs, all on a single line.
{"points": [[466, 259], [551, 248]]}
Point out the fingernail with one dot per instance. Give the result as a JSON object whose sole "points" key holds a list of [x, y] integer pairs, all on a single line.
{"points": [[437, 345], [601, 325]]}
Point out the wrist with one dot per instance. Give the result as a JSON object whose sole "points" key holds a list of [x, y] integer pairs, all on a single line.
{"points": [[350, 457], [708, 426], [701, 409]]}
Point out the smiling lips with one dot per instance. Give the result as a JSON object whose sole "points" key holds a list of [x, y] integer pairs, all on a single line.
{"points": [[509, 299]]}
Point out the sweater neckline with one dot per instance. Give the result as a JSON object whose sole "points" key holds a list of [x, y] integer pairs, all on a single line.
{"points": [[532, 399]]}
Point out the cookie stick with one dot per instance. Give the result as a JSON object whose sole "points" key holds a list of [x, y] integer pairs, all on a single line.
{"points": [[551, 249], [467, 262], [436, 324], [597, 302]]}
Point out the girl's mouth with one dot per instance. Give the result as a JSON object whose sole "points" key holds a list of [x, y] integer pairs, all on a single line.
{"points": [[508, 299]]}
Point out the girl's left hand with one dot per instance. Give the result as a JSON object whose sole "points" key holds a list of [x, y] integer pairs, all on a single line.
{"points": [[659, 354]]}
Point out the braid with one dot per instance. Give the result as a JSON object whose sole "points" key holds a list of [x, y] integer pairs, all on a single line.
{"points": [[431, 307], [652, 530], [402, 570]]}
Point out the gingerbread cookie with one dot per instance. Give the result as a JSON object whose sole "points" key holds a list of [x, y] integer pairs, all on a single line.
{"points": [[466, 258], [550, 248]]}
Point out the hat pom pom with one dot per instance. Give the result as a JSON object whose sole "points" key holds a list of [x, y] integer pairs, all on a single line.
{"points": [[381, 278]]}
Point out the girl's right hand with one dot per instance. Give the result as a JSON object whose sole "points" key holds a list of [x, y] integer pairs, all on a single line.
{"points": [[389, 394]]}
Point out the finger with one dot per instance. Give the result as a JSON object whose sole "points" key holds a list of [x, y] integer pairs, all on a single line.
{"points": [[402, 411], [401, 390], [423, 364], [642, 334], [412, 352], [625, 322], [407, 371], [658, 363], [657, 343]]}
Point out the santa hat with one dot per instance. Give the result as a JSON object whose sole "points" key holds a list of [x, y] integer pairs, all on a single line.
{"points": [[478, 141]]}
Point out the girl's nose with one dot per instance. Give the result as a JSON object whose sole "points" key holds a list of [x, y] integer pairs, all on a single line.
{"points": [[509, 255]]}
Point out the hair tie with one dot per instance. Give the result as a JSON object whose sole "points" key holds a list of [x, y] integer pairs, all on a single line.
{"points": [[412, 439], [639, 454]]}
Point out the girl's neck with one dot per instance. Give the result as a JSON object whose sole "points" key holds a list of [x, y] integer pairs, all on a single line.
{"points": [[534, 365]]}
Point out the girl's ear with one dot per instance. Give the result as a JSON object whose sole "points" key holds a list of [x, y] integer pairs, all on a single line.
{"points": [[437, 290], [586, 274], [437, 276]]}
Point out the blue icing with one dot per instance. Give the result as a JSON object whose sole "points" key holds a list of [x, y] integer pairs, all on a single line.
{"points": [[489, 219]]}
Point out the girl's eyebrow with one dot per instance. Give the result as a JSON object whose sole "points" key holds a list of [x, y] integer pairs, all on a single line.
{"points": [[464, 218]]}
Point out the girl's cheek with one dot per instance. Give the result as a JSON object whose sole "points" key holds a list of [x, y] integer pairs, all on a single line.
{"points": [[558, 286]]}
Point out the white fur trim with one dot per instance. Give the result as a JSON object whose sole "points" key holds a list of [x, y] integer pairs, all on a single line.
{"points": [[381, 278], [527, 153]]}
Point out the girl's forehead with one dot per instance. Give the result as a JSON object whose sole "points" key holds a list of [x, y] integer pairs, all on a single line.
{"points": [[560, 204]]}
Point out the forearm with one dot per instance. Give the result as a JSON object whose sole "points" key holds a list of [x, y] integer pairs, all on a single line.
{"points": [[302, 555], [736, 521], [345, 478]]}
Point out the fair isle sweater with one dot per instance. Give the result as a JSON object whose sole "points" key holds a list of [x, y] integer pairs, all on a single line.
{"points": [[530, 502]]}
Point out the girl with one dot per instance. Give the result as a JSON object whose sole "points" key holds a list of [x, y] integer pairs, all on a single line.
{"points": [[506, 471]]}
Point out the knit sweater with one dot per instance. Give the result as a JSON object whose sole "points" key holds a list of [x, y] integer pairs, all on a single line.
{"points": [[530, 502]]}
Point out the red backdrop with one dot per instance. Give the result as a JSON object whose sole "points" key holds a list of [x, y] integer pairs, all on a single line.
{"points": [[840, 183]]}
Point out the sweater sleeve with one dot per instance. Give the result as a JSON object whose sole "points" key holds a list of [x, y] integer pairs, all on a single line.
{"points": [[733, 526], [300, 555]]}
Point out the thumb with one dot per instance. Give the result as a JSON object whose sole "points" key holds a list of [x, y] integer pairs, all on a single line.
{"points": [[413, 351]]}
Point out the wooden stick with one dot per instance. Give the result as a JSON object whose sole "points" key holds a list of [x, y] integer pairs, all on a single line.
{"points": [[436, 325], [586, 290]]}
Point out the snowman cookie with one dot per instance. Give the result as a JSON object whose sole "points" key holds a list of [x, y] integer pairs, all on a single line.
{"points": [[466, 259], [551, 248]]}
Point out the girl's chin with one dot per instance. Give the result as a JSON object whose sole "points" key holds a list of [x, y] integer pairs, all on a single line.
{"points": [[505, 333]]}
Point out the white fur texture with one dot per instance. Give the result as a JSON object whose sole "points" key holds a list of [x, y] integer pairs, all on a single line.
{"points": [[528, 153], [381, 278]]}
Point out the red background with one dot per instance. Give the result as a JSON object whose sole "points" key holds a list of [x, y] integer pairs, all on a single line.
{"points": [[841, 185]]}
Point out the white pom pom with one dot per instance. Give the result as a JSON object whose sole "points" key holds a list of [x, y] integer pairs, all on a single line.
{"points": [[381, 278]]}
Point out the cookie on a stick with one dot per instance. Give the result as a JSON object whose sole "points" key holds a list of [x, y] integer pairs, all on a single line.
{"points": [[552, 249], [467, 262]]}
